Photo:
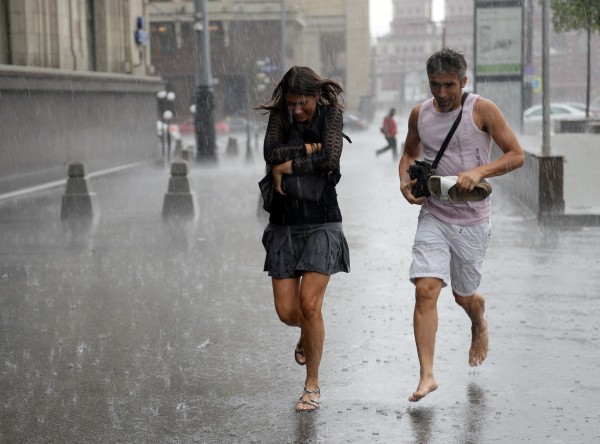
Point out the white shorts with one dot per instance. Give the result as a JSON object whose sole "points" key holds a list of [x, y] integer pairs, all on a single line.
{"points": [[452, 253]]}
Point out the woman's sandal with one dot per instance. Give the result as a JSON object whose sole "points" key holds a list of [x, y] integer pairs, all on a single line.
{"points": [[299, 354], [314, 403]]}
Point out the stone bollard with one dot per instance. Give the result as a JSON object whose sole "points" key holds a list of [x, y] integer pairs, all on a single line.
{"points": [[232, 147], [188, 152], [77, 201], [179, 200]]}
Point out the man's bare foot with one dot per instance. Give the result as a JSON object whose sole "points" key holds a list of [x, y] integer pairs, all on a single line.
{"points": [[479, 343], [426, 386]]}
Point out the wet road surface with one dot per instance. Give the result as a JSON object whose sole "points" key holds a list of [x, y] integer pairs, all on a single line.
{"points": [[133, 329]]}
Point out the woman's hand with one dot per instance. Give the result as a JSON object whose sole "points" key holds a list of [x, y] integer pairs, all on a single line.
{"points": [[278, 171], [278, 180], [312, 148]]}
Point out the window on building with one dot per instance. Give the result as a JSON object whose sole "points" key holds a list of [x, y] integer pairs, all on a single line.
{"points": [[389, 83], [162, 37], [90, 24], [5, 57], [333, 54]]}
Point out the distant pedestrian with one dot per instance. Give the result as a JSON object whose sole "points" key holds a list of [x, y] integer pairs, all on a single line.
{"points": [[389, 130], [452, 236], [304, 241]]}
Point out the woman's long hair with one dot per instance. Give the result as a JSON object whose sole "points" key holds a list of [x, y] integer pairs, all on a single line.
{"points": [[303, 81]]}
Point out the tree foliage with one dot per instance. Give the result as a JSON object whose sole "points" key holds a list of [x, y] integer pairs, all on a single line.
{"points": [[578, 15]]}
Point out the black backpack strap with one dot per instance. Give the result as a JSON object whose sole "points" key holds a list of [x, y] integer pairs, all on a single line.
{"points": [[450, 134]]}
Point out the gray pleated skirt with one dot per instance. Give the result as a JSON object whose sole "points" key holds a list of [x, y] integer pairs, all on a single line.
{"points": [[294, 249]]}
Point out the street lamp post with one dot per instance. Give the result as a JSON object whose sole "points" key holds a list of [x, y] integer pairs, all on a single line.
{"points": [[256, 84], [166, 102], [204, 98], [546, 78]]}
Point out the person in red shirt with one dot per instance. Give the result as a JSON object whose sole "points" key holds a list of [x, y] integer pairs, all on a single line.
{"points": [[389, 130]]}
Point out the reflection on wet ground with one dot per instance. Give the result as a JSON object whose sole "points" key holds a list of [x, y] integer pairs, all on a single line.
{"points": [[422, 420]]}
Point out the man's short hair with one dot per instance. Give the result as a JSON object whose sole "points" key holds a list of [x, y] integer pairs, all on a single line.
{"points": [[447, 61]]}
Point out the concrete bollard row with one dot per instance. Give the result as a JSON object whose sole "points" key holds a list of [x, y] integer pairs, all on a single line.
{"points": [[77, 201], [179, 200]]}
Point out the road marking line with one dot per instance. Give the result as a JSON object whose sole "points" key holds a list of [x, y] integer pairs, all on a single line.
{"points": [[57, 183]]}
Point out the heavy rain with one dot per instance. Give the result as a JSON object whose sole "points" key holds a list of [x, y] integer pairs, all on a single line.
{"points": [[133, 302]]}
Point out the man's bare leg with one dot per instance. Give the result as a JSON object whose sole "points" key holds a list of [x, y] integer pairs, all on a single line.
{"points": [[474, 306], [425, 318]]}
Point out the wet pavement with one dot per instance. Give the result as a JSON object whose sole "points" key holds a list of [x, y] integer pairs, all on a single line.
{"points": [[131, 328]]}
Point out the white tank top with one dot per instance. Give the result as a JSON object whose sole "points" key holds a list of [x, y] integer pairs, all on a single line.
{"points": [[469, 147]]}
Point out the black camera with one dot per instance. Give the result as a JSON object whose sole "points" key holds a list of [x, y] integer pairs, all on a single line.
{"points": [[420, 171]]}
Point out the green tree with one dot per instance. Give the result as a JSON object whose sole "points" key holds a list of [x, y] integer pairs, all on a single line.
{"points": [[578, 15]]}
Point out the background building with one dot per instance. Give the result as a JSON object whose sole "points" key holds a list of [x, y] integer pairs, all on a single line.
{"points": [[457, 28], [246, 41], [73, 88], [82, 75], [336, 41], [399, 57]]}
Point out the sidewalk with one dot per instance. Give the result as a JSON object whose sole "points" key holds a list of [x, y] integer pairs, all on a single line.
{"points": [[132, 329]]}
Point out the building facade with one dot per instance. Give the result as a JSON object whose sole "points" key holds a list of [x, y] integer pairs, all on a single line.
{"points": [[458, 28], [74, 87], [246, 41], [78, 35], [400, 56]]}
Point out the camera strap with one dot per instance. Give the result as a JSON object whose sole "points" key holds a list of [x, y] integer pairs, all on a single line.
{"points": [[450, 134]]}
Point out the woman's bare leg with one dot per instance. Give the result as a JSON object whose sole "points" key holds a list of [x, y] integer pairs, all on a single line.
{"points": [[286, 293], [287, 305], [312, 293]]}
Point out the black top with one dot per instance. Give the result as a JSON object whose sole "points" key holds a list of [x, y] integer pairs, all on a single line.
{"points": [[282, 145]]}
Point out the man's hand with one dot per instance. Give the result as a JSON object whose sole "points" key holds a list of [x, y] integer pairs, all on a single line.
{"points": [[406, 190], [467, 180]]}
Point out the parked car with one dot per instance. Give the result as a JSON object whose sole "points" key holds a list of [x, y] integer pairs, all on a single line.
{"points": [[236, 124], [240, 124], [594, 111], [532, 117], [173, 130], [354, 122], [188, 127]]}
